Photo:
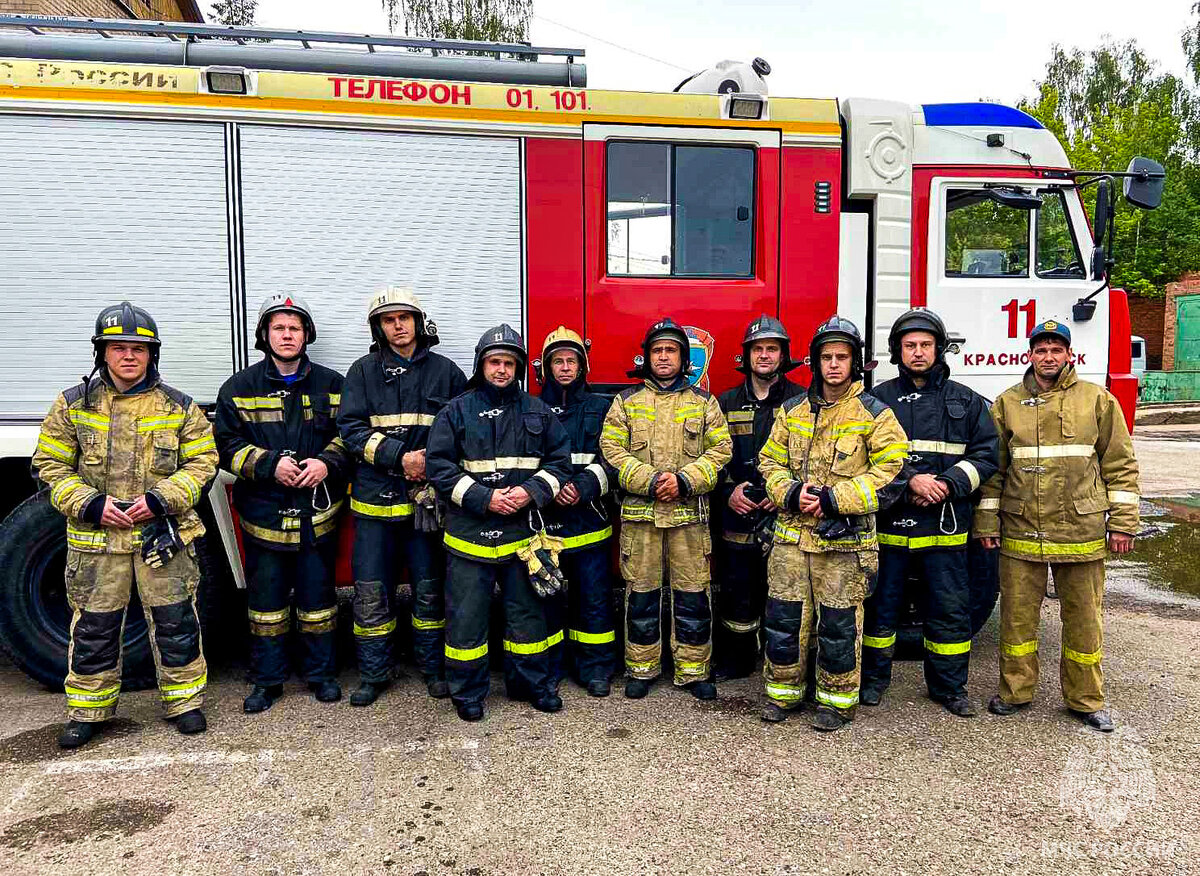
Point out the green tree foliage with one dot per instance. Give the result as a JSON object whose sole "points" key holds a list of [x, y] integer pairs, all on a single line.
{"points": [[501, 21], [1113, 103], [235, 12]]}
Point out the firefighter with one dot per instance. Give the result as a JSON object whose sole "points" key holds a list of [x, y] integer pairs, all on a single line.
{"points": [[745, 511], [667, 441], [581, 514], [1067, 487], [389, 401], [276, 430], [498, 456], [951, 451], [127, 458], [831, 457]]}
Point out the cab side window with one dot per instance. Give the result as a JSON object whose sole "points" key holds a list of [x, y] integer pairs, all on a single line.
{"points": [[680, 210], [1057, 254], [985, 238]]}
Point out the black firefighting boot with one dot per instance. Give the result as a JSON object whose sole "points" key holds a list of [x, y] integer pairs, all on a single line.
{"points": [[368, 692], [703, 690], [636, 688], [1100, 720], [827, 720], [599, 687], [327, 691], [437, 687], [77, 733], [549, 703], [262, 698], [958, 705], [191, 722], [997, 706], [773, 714], [470, 711]]}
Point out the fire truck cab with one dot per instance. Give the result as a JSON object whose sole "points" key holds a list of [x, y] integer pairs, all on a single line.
{"points": [[195, 174]]}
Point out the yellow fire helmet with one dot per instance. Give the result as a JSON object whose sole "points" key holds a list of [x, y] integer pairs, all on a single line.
{"points": [[561, 337]]}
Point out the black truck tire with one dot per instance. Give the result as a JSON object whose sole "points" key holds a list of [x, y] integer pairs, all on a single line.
{"points": [[35, 619]]}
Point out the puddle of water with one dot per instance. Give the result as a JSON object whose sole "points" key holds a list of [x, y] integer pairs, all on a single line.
{"points": [[41, 743], [104, 820], [618, 733], [1167, 556]]}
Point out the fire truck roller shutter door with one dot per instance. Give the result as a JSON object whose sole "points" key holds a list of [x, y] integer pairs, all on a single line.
{"points": [[438, 214], [94, 211]]}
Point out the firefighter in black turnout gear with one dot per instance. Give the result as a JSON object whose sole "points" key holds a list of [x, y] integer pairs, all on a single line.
{"points": [[952, 450], [745, 514], [391, 397], [582, 513], [497, 456], [276, 430]]}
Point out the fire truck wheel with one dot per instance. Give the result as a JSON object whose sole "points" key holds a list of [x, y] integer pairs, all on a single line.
{"points": [[35, 619]]}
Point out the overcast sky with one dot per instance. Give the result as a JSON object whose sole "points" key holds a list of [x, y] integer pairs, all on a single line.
{"points": [[921, 52]]}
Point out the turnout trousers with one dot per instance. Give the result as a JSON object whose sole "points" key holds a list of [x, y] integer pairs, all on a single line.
{"points": [[945, 606], [98, 589], [528, 638], [741, 597], [827, 589], [382, 550], [274, 580], [682, 554], [1080, 597], [591, 636]]}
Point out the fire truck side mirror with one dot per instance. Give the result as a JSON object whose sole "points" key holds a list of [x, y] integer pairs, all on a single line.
{"points": [[1144, 186], [1101, 222]]}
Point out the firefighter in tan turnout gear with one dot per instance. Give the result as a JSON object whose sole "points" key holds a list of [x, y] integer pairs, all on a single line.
{"points": [[831, 456], [127, 458], [1066, 490], [668, 442]]}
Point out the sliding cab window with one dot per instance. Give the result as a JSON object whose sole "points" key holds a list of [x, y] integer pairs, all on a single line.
{"points": [[1057, 254], [985, 238], [680, 211]]}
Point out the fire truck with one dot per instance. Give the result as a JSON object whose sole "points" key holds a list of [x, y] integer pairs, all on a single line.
{"points": [[194, 170]]}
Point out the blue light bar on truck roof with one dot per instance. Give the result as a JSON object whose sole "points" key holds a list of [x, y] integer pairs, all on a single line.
{"points": [[952, 115]]}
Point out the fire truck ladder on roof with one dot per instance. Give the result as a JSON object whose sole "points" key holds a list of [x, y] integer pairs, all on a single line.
{"points": [[204, 45]]}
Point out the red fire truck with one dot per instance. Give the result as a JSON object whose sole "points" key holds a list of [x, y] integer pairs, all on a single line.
{"points": [[194, 170]]}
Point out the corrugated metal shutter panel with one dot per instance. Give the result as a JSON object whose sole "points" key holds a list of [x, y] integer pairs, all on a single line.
{"points": [[335, 215], [96, 211]]}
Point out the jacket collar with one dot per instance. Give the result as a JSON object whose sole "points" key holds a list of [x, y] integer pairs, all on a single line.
{"points": [[816, 400], [679, 383], [558, 396], [274, 376], [774, 394], [935, 377]]}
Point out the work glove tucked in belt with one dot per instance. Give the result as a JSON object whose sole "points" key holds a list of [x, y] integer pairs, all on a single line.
{"points": [[160, 541], [541, 556], [429, 511]]}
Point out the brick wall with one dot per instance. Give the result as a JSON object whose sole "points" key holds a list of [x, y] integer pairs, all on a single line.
{"points": [[1146, 320], [1189, 284], [163, 10]]}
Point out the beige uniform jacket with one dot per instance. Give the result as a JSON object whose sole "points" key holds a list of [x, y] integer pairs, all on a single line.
{"points": [[125, 445], [855, 446], [650, 430], [1067, 472]]}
